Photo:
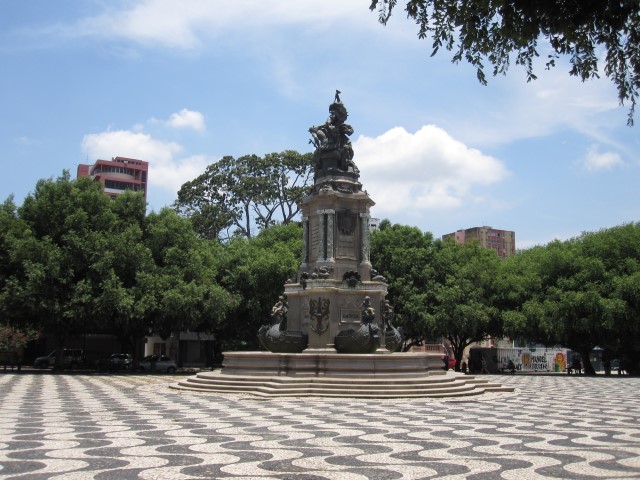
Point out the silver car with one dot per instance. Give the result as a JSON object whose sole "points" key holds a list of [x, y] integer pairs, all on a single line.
{"points": [[157, 363]]}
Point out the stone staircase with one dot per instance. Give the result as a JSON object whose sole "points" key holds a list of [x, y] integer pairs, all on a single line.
{"points": [[435, 384]]}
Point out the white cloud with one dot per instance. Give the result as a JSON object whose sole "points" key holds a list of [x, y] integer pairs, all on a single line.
{"points": [[596, 161], [125, 143], [166, 172], [25, 141], [171, 176], [185, 24], [427, 170], [512, 109], [187, 119]]}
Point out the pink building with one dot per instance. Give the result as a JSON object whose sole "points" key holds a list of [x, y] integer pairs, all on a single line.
{"points": [[502, 241], [118, 175]]}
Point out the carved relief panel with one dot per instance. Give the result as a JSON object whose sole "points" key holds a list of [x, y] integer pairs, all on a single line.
{"points": [[347, 233]]}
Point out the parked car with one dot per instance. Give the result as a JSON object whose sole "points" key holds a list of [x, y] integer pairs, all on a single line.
{"points": [[120, 361], [71, 357], [157, 363]]}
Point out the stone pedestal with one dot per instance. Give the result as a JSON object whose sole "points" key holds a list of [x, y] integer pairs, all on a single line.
{"points": [[335, 275]]}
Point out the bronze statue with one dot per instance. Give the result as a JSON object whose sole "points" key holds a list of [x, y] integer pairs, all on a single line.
{"points": [[333, 147], [368, 312], [279, 310], [387, 314]]}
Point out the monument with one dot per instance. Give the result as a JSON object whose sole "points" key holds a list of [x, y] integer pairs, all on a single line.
{"points": [[338, 303], [331, 331]]}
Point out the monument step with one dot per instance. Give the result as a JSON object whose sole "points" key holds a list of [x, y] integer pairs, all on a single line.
{"points": [[423, 379], [433, 385], [326, 382], [324, 386], [410, 375], [263, 391]]}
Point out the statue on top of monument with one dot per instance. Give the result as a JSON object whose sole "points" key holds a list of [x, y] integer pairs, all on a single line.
{"points": [[333, 147]]}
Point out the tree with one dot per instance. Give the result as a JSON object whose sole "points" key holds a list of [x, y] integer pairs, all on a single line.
{"points": [[618, 249], [404, 255], [464, 309], [12, 343], [570, 301], [123, 261], [481, 31], [13, 232], [180, 292], [516, 283], [627, 325], [234, 196], [57, 283], [256, 270]]}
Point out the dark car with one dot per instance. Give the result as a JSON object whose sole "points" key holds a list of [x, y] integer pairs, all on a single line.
{"points": [[120, 361]]}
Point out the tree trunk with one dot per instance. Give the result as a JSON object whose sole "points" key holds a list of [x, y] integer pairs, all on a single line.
{"points": [[61, 341], [247, 220], [458, 352]]}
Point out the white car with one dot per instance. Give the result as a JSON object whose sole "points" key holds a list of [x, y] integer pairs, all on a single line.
{"points": [[155, 363]]}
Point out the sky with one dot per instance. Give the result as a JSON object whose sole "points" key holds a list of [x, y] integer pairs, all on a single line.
{"points": [[182, 84]]}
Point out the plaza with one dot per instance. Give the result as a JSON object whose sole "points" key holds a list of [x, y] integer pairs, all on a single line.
{"points": [[82, 426]]}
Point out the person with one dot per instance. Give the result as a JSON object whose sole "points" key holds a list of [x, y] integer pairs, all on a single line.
{"points": [[484, 368], [511, 367], [576, 366]]}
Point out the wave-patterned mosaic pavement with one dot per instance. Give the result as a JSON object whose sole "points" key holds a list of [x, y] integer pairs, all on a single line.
{"points": [[125, 427]]}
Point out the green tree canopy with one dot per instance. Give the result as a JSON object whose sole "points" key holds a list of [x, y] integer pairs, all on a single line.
{"points": [[234, 196], [58, 282], [464, 310], [580, 293], [404, 255], [438, 288], [181, 292], [76, 261], [499, 31], [256, 270], [618, 249], [13, 234]]}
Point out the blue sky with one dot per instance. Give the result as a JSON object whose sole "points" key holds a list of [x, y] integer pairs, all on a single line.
{"points": [[181, 84]]}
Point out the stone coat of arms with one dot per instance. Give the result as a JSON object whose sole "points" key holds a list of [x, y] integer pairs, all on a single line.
{"points": [[319, 314]]}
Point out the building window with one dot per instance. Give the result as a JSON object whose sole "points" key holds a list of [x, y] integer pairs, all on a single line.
{"points": [[121, 185]]}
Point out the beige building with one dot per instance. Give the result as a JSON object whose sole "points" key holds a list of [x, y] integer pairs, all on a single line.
{"points": [[502, 241]]}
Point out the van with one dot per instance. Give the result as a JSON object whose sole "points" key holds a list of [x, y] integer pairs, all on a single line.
{"points": [[71, 357]]}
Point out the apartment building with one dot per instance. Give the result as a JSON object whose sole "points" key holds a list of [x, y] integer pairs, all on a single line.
{"points": [[118, 175], [502, 241]]}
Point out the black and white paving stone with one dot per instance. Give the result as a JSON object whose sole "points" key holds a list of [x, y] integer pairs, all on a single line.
{"points": [[75, 426]]}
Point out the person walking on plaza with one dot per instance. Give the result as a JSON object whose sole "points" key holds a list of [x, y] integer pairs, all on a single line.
{"points": [[484, 366]]}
